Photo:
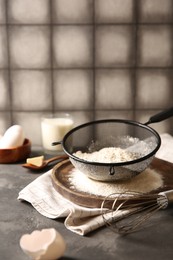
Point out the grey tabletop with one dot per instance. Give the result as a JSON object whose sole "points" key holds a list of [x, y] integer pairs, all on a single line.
{"points": [[18, 218]]}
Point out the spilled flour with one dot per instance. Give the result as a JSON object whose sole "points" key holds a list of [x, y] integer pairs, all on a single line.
{"points": [[145, 182]]}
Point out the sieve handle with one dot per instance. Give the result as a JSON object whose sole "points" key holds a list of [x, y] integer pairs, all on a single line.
{"points": [[160, 116], [56, 143]]}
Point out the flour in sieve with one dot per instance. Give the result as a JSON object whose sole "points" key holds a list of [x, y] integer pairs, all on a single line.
{"points": [[146, 181], [108, 155]]}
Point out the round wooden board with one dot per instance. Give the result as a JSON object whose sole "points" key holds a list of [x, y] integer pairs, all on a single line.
{"points": [[61, 174], [60, 180]]}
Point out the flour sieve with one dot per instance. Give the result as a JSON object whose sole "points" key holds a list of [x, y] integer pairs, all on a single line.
{"points": [[130, 136]]}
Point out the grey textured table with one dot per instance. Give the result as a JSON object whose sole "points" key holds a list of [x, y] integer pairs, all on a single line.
{"points": [[17, 218]]}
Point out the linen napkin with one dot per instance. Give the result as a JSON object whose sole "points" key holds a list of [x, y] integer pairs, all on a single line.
{"points": [[48, 202], [81, 220]]}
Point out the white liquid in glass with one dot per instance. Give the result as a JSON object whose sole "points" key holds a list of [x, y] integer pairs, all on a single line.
{"points": [[53, 130]]}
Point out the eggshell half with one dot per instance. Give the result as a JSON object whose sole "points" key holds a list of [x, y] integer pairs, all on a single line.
{"points": [[43, 245], [13, 137]]}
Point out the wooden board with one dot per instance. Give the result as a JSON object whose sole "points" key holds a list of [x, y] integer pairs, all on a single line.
{"points": [[61, 174]]}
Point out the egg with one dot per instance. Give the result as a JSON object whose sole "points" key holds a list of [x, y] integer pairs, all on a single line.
{"points": [[13, 137], [43, 244]]}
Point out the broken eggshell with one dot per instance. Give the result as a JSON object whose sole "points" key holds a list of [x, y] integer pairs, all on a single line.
{"points": [[43, 244]]}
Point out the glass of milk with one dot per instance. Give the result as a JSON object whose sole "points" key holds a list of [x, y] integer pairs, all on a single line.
{"points": [[53, 129]]}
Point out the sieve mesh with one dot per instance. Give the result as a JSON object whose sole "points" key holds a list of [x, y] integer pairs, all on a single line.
{"points": [[128, 135]]}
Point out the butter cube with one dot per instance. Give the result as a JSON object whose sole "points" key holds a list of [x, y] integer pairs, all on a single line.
{"points": [[37, 161]]}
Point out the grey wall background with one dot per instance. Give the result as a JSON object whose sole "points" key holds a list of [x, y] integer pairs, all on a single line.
{"points": [[94, 59]]}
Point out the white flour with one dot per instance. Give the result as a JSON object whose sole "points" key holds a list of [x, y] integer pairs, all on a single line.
{"points": [[146, 181], [108, 155]]}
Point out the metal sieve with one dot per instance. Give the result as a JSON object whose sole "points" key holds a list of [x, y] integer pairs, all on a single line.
{"points": [[128, 135]]}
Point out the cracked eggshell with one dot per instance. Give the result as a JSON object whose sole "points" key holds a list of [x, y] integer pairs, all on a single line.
{"points": [[43, 245], [13, 137]]}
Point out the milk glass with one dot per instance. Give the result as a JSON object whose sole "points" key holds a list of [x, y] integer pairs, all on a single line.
{"points": [[53, 129]]}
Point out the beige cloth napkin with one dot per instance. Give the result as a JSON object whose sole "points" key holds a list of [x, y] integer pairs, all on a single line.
{"points": [[81, 220], [48, 202]]}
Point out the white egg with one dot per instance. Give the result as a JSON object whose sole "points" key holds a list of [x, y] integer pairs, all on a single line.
{"points": [[44, 244], [13, 137]]}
